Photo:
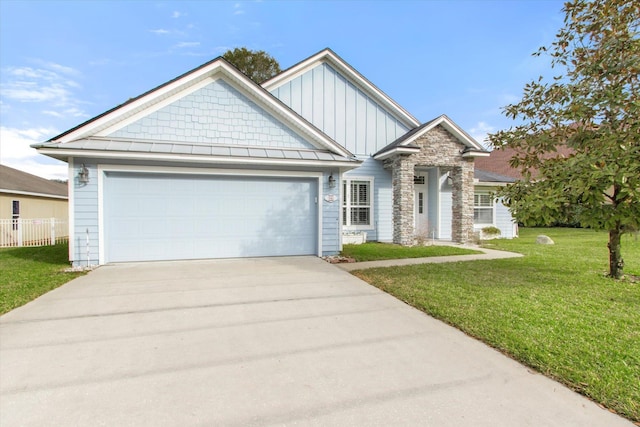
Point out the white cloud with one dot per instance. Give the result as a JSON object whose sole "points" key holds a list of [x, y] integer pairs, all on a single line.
{"points": [[177, 14], [39, 85], [59, 68], [479, 132], [15, 143], [238, 9], [160, 31], [69, 112], [187, 44], [33, 92], [15, 151]]}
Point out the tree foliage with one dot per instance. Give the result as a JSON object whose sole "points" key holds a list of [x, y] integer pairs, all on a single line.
{"points": [[258, 65], [592, 106]]}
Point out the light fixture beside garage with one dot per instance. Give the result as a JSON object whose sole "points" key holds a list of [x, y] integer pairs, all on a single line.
{"points": [[83, 175], [332, 181]]}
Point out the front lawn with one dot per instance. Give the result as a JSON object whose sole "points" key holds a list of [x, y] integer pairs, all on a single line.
{"points": [[27, 273], [377, 251], [553, 309]]}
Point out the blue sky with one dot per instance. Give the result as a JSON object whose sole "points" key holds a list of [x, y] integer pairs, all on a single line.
{"points": [[63, 62]]}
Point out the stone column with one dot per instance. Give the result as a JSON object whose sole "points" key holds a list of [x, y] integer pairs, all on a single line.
{"points": [[402, 182], [462, 200]]}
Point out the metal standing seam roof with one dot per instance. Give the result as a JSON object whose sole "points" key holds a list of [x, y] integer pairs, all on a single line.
{"points": [[195, 149]]}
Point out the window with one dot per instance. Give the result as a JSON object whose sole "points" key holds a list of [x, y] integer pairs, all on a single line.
{"points": [[15, 213], [483, 208], [356, 203]]}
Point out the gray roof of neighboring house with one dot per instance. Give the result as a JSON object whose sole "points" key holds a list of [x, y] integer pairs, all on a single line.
{"points": [[209, 150], [14, 180], [485, 176]]}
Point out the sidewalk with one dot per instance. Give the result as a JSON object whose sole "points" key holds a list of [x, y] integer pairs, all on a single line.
{"points": [[487, 254]]}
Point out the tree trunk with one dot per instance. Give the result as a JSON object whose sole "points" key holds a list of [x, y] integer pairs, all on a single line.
{"points": [[615, 256]]}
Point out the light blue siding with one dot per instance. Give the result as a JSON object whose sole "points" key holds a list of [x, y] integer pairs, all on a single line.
{"points": [[330, 218], [341, 110], [382, 198], [216, 114], [504, 220], [87, 216], [85, 212]]}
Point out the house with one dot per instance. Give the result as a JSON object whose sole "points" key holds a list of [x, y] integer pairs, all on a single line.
{"points": [[499, 161], [23, 195], [212, 165], [28, 204], [488, 210]]}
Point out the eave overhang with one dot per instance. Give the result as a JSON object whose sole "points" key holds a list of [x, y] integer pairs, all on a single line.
{"points": [[396, 150], [320, 160], [30, 193], [471, 147]]}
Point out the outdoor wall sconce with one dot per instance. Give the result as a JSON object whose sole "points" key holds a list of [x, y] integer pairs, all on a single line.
{"points": [[332, 181], [449, 179], [83, 175]]}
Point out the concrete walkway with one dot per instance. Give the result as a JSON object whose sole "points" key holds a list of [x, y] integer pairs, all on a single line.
{"points": [[487, 254], [258, 342]]}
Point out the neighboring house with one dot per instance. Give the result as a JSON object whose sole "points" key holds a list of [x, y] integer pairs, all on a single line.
{"points": [[23, 195], [488, 211], [33, 210], [499, 161], [211, 165]]}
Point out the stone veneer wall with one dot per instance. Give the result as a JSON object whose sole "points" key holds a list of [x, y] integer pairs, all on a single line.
{"points": [[437, 148]]}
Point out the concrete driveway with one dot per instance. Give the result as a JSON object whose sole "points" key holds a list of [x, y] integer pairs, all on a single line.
{"points": [[269, 341]]}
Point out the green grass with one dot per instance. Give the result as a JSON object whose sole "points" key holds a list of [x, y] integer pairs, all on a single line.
{"points": [[553, 310], [27, 273], [378, 251]]}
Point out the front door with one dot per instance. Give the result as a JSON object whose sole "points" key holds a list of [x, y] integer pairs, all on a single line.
{"points": [[420, 220]]}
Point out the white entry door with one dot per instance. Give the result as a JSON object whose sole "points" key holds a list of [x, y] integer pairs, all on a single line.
{"points": [[420, 218]]}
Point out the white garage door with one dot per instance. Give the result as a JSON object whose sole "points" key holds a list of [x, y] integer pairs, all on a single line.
{"points": [[166, 217]]}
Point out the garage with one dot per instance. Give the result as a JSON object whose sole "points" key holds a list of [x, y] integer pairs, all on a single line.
{"points": [[161, 216]]}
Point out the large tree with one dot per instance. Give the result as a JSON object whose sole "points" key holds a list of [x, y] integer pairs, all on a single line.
{"points": [[258, 65], [592, 105]]}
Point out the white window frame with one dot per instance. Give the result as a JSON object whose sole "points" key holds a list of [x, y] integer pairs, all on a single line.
{"points": [[345, 203], [492, 207]]}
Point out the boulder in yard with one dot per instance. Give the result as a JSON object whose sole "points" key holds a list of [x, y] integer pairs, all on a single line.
{"points": [[544, 240]]}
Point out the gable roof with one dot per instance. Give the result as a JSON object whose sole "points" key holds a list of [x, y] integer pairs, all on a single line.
{"points": [[101, 125], [499, 160], [15, 181], [406, 142], [330, 57]]}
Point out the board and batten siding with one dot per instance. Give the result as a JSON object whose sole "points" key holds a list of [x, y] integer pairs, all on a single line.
{"points": [[216, 114], [85, 215], [341, 110], [382, 198]]}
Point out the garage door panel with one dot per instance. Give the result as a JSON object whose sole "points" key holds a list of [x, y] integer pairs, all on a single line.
{"points": [[156, 217]]}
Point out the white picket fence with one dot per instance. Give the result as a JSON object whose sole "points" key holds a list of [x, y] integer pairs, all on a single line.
{"points": [[33, 232]]}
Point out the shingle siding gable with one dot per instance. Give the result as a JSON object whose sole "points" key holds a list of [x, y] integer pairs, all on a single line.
{"points": [[215, 114]]}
